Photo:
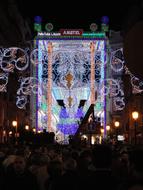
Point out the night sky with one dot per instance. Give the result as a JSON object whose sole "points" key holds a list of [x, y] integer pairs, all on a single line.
{"points": [[78, 14]]}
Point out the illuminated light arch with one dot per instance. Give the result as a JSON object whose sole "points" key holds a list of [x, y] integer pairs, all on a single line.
{"points": [[73, 75], [72, 58]]}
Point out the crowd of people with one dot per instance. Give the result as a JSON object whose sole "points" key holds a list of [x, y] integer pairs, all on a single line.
{"points": [[55, 166]]}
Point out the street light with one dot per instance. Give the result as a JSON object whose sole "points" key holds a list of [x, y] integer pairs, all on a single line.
{"points": [[34, 130], [108, 129], [27, 127], [102, 131], [10, 133], [135, 116], [117, 124], [14, 124]]}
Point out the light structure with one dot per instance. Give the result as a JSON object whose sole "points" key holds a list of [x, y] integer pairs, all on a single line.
{"points": [[17, 58], [70, 69], [68, 66], [49, 87]]}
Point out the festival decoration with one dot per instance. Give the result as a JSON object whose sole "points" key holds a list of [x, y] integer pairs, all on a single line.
{"points": [[67, 69], [14, 58], [3, 81]]}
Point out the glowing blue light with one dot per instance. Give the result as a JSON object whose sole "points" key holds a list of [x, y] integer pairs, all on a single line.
{"points": [[105, 19], [38, 19]]}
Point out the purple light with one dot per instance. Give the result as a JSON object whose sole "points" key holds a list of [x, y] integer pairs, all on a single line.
{"points": [[105, 19], [68, 129], [79, 113], [37, 102], [105, 132], [63, 113]]}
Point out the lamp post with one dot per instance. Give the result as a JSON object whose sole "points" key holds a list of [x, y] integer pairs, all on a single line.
{"points": [[108, 129], [135, 116], [14, 124], [116, 124]]}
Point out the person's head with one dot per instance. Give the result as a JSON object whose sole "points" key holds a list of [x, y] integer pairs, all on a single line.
{"points": [[19, 164]]}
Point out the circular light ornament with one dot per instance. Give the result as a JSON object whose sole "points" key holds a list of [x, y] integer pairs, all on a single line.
{"points": [[49, 27], [93, 27]]}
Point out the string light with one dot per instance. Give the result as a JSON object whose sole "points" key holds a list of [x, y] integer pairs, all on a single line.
{"points": [[117, 60], [67, 57], [14, 58], [3, 81]]}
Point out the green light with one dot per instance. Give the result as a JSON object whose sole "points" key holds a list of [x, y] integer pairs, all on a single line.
{"points": [[37, 27], [98, 106], [96, 35], [67, 120], [104, 28], [44, 107], [56, 110]]}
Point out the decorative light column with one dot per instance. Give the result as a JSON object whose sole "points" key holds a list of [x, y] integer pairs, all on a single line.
{"points": [[49, 86], [92, 77]]}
